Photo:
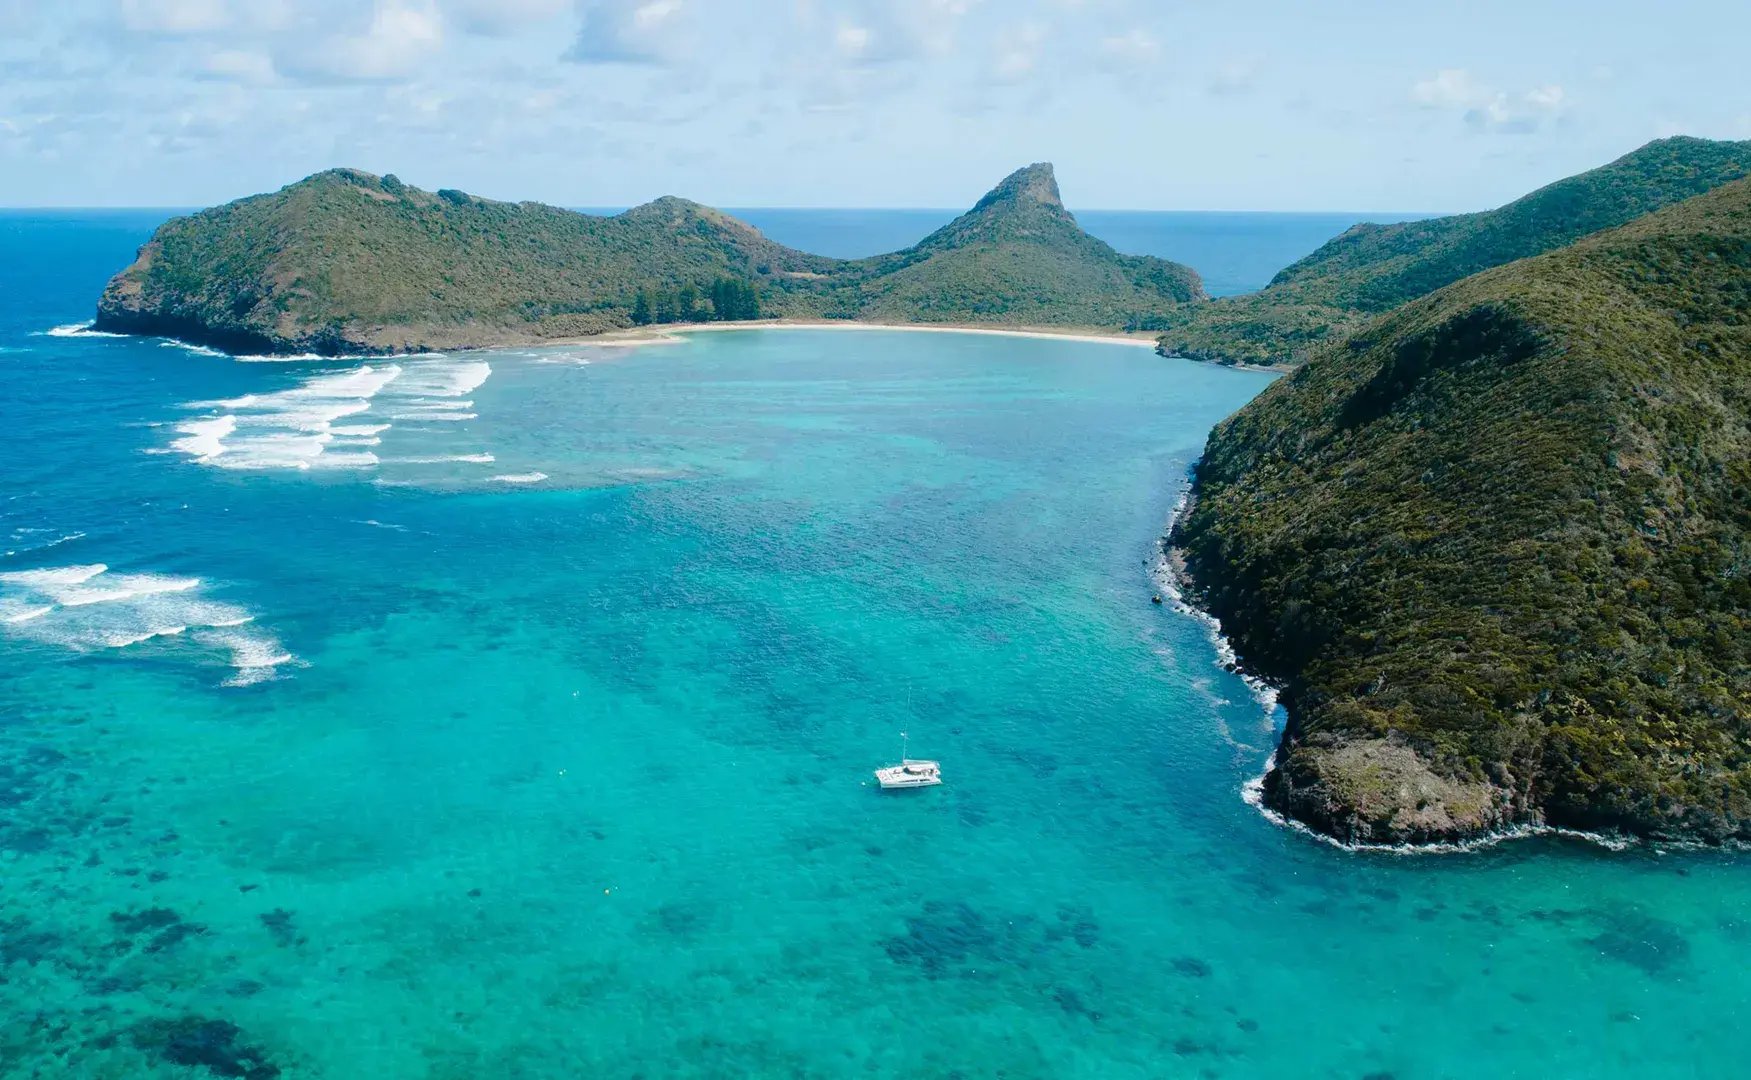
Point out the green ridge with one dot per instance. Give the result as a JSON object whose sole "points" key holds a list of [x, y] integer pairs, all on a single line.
{"points": [[348, 262], [1374, 268], [1497, 546]]}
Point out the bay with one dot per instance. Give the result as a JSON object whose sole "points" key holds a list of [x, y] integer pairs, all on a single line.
{"points": [[538, 743]]}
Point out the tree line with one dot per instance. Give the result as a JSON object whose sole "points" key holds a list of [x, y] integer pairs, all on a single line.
{"points": [[725, 300]]}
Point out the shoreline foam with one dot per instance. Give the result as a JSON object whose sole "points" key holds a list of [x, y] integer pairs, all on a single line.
{"points": [[1167, 578]]}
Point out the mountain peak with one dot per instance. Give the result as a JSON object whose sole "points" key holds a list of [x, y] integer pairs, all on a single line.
{"points": [[1032, 184]]}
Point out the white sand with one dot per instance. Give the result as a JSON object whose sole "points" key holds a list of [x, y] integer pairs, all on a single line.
{"points": [[671, 334]]}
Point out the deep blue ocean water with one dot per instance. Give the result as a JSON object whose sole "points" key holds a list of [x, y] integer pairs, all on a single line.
{"points": [[511, 714]]}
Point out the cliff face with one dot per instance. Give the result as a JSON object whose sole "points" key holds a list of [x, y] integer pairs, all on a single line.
{"points": [[348, 262], [1495, 546]]}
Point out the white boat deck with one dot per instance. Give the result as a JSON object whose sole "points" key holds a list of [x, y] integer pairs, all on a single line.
{"points": [[910, 773]]}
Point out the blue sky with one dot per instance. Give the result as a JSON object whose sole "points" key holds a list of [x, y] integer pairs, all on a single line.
{"points": [[1246, 104]]}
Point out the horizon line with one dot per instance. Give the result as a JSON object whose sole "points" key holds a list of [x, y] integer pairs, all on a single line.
{"points": [[604, 209]]}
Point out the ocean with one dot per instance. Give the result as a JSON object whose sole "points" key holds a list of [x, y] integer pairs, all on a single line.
{"points": [[512, 714]]}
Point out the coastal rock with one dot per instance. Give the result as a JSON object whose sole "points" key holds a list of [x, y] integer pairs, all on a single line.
{"points": [[1380, 791]]}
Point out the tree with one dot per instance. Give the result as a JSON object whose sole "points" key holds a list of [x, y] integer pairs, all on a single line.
{"points": [[641, 307]]}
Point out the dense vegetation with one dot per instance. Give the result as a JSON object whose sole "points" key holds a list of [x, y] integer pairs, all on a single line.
{"points": [[1374, 268], [1497, 546], [346, 262], [728, 300]]}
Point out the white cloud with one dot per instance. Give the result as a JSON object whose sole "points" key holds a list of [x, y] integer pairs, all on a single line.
{"points": [[852, 41], [499, 17], [1233, 78], [1547, 98], [1017, 51], [1450, 88], [628, 31], [872, 32], [240, 65], [1136, 46], [400, 38], [1486, 108], [175, 16]]}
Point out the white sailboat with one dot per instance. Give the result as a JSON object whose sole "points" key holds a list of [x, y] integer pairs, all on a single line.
{"points": [[909, 773]]}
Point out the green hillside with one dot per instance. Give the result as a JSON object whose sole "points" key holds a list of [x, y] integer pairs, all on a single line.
{"points": [[1497, 546], [348, 262], [1374, 268]]}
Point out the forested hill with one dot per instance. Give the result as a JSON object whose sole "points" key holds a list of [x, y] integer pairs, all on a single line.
{"points": [[1373, 268], [348, 262], [1497, 546]]}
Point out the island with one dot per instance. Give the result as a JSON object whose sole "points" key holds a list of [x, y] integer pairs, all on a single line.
{"points": [[1371, 269], [1495, 546], [348, 263]]}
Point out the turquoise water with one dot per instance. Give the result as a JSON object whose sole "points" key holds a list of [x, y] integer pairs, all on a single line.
{"points": [[434, 767]]}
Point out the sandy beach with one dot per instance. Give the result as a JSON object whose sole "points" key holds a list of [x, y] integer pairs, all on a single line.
{"points": [[671, 333]]}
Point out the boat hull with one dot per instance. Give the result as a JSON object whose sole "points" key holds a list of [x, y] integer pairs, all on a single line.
{"points": [[909, 774]]}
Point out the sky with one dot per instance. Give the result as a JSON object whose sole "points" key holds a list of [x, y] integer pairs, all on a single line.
{"points": [[1385, 105]]}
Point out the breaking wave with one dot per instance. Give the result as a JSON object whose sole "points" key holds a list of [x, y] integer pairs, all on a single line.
{"points": [[89, 609], [331, 420]]}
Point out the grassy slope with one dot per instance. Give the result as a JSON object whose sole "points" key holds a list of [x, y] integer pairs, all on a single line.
{"points": [[345, 261], [1373, 268], [1498, 545]]}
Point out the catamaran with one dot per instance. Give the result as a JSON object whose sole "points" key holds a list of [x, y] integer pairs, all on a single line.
{"points": [[909, 773]]}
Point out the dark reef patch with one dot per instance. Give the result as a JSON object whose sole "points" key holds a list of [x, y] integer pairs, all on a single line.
{"points": [[20, 943], [279, 925], [133, 923], [1655, 946], [953, 938], [214, 1045], [168, 929], [1192, 966]]}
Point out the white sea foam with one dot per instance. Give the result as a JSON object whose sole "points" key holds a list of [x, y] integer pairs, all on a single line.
{"points": [[476, 459], [254, 657], [520, 478], [330, 419], [288, 429], [78, 330], [434, 417], [52, 577], [361, 460], [91, 609], [1168, 582], [204, 439], [256, 358], [198, 350], [18, 611], [437, 406], [108, 588], [24, 534], [444, 378]]}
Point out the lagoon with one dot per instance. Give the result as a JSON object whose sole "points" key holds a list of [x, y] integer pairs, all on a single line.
{"points": [[578, 672]]}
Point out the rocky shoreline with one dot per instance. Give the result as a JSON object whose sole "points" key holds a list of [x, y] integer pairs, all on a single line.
{"points": [[1359, 793], [1382, 794]]}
